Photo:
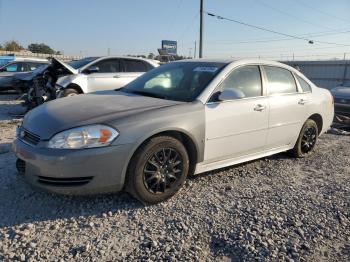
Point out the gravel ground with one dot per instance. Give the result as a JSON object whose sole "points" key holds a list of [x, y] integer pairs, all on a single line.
{"points": [[277, 208]]}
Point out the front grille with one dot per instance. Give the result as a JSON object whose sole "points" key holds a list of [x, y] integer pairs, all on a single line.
{"points": [[21, 166], [29, 137], [342, 101], [65, 181]]}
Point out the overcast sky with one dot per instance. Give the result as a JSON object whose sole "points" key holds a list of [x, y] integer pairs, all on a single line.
{"points": [[90, 27]]}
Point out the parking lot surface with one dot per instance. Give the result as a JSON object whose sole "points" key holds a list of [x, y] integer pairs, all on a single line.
{"points": [[276, 208]]}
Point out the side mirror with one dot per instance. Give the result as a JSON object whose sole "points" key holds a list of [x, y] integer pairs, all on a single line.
{"points": [[231, 94], [92, 69]]}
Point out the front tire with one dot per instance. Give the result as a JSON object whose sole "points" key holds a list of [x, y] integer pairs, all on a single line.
{"points": [[158, 170], [307, 140]]}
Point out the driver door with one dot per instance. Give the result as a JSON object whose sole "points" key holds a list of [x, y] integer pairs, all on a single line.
{"points": [[239, 126]]}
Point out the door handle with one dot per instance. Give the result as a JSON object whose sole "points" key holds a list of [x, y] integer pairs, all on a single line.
{"points": [[117, 76], [259, 107], [302, 102]]}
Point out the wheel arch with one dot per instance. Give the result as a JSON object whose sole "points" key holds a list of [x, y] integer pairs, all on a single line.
{"points": [[76, 87], [319, 121], [186, 139]]}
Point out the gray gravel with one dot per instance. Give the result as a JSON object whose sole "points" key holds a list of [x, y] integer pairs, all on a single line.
{"points": [[277, 208]]}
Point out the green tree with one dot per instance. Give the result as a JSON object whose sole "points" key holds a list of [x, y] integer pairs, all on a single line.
{"points": [[1, 48], [41, 48], [12, 46]]}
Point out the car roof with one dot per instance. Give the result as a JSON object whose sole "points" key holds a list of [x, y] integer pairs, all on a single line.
{"points": [[127, 57], [29, 59], [232, 60]]}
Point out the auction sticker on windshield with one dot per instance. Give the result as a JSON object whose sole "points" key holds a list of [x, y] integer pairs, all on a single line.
{"points": [[210, 69]]}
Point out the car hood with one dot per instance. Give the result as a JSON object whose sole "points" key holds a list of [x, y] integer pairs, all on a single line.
{"points": [[102, 107], [341, 92], [56, 64], [66, 66]]}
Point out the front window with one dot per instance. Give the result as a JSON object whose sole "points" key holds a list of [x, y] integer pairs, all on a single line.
{"points": [[245, 80], [180, 81], [76, 64]]}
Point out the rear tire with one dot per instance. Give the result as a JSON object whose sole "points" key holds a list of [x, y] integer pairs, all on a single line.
{"points": [[157, 170], [307, 140], [68, 92]]}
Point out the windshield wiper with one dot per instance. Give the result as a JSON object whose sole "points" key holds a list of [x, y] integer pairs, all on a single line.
{"points": [[145, 93]]}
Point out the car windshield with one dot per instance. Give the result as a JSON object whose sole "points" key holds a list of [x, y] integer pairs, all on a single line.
{"points": [[82, 62], [180, 81]]}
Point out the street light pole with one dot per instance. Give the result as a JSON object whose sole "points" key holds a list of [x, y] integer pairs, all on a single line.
{"points": [[201, 30]]}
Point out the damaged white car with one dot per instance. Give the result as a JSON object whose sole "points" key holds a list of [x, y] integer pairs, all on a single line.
{"points": [[101, 73]]}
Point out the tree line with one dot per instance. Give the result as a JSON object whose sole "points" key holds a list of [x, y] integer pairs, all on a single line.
{"points": [[15, 46]]}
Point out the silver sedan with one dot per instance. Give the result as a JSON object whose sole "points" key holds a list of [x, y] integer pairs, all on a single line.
{"points": [[179, 119]]}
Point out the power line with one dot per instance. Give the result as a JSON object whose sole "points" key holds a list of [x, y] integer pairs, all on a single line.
{"points": [[304, 4], [271, 31], [188, 26], [277, 39], [290, 15], [263, 40], [171, 25]]}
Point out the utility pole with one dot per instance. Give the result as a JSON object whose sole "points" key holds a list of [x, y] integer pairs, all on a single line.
{"points": [[195, 49], [201, 30], [189, 52], [344, 58]]}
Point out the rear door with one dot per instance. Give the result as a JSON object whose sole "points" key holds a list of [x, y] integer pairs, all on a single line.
{"points": [[107, 77], [288, 107], [132, 68]]}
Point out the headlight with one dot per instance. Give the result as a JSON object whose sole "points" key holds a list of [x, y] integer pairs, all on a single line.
{"points": [[84, 137]]}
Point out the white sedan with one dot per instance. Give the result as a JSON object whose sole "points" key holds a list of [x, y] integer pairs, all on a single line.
{"points": [[181, 118]]}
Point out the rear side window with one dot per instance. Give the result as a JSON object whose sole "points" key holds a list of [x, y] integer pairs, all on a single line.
{"points": [[108, 66], [135, 66], [246, 80], [303, 84], [279, 81]]}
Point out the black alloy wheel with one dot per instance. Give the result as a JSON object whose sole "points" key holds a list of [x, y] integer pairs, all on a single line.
{"points": [[162, 170], [157, 170], [308, 139]]}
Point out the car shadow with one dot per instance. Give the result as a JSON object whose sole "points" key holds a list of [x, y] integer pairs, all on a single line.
{"points": [[21, 203]]}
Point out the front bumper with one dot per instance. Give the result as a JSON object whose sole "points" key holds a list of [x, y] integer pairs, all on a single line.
{"points": [[74, 172]]}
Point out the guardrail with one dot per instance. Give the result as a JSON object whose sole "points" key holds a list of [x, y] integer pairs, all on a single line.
{"points": [[39, 55]]}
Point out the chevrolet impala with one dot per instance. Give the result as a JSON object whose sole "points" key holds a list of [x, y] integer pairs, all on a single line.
{"points": [[179, 119]]}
